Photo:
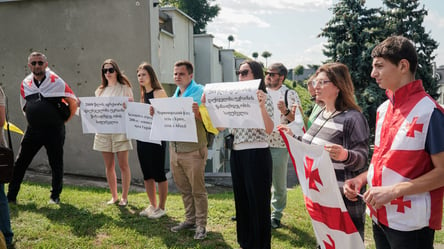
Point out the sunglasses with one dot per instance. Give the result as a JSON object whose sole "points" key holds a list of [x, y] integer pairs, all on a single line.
{"points": [[271, 74], [37, 62], [243, 72], [110, 70]]}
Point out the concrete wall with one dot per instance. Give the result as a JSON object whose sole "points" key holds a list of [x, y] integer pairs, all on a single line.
{"points": [[228, 65], [216, 66], [77, 36], [175, 46]]}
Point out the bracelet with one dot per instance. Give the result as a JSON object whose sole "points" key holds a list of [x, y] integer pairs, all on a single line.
{"points": [[287, 112]]}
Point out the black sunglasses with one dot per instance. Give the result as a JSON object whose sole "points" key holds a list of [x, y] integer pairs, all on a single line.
{"points": [[110, 70], [271, 74], [243, 72], [37, 62]]}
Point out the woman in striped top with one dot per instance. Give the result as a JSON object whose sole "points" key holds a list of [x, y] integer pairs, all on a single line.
{"points": [[342, 129]]}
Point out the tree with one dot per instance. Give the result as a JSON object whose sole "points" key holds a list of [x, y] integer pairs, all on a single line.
{"points": [[299, 70], [200, 10], [230, 39], [313, 66], [266, 54], [255, 55], [352, 33], [406, 18]]}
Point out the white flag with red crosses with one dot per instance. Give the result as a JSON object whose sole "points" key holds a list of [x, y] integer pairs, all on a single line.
{"points": [[332, 224]]}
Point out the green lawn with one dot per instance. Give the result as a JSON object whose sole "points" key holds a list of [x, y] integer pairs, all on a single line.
{"points": [[83, 220]]}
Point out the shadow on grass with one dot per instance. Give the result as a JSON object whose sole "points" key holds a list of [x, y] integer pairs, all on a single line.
{"points": [[82, 222], [161, 228], [298, 238]]}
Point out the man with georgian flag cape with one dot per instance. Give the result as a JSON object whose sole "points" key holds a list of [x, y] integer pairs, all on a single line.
{"points": [[48, 103], [52, 86]]}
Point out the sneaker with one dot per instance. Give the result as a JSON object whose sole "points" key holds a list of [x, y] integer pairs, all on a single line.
{"points": [[275, 223], [201, 233], [182, 226], [148, 211], [54, 200], [157, 213]]}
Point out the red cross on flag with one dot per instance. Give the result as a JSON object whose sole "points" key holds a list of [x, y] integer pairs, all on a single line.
{"points": [[332, 224]]}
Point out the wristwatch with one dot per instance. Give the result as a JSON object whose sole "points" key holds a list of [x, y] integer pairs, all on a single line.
{"points": [[287, 112]]}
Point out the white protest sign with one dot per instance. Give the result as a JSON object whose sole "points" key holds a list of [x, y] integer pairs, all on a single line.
{"points": [[276, 96], [234, 104], [103, 114], [173, 120], [138, 122]]}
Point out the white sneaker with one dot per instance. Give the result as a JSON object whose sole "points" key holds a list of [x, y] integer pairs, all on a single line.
{"points": [[157, 213], [148, 211]]}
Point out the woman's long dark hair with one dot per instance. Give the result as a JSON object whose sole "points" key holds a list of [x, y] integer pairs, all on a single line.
{"points": [[258, 72]]}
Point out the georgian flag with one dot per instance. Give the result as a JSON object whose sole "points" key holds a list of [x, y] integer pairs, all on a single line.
{"points": [[332, 224], [52, 86]]}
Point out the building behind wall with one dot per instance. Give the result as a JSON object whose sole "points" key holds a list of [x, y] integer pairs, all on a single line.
{"points": [[78, 36]]}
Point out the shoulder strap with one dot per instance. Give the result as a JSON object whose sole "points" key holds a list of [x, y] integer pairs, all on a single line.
{"points": [[285, 98]]}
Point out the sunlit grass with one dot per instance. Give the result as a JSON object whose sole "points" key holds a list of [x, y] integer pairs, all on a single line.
{"points": [[83, 220]]}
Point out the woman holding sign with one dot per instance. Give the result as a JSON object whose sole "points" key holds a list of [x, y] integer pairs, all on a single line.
{"points": [[251, 168], [151, 155], [114, 83]]}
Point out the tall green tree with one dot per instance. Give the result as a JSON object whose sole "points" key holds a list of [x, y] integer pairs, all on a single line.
{"points": [[255, 55], [351, 34], [406, 18], [266, 55], [202, 11]]}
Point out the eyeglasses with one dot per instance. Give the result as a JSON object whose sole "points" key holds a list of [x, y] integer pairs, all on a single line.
{"points": [[321, 83], [271, 74], [37, 62], [243, 72], [110, 70]]}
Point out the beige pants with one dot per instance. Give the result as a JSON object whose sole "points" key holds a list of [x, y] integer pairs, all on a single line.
{"points": [[188, 172]]}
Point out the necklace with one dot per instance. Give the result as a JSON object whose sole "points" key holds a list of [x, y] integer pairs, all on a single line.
{"points": [[320, 128]]}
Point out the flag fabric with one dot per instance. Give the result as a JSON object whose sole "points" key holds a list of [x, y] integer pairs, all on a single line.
{"points": [[331, 222], [52, 86]]}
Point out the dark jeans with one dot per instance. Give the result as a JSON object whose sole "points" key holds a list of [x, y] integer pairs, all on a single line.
{"points": [[387, 238], [52, 138], [251, 172]]}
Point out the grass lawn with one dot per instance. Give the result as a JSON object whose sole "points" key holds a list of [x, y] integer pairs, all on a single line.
{"points": [[83, 220]]}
